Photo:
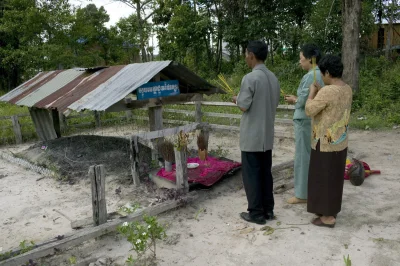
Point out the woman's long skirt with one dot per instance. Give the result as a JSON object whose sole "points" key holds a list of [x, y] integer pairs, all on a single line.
{"points": [[325, 181]]}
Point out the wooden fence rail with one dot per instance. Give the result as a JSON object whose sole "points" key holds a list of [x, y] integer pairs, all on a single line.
{"points": [[15, 122]]}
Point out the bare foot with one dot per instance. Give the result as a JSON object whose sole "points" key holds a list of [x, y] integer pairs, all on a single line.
{"points": [[328, 219], [295, 200]]}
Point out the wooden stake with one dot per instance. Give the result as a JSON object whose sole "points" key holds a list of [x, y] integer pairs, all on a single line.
{"points": [[17, 129], [98, 179], [97, 119], [49, 247], [134, 157], [181, 170], [198, 114]]}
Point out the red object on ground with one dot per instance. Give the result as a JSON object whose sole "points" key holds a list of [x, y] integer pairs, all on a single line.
{"points": [[207, 173], [367, 168]]}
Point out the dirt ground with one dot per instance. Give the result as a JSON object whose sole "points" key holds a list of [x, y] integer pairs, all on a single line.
{"points": [[368, 228]]}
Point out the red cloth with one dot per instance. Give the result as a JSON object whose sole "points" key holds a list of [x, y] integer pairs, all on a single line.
{"points": [[207, 173], [367, 168]]}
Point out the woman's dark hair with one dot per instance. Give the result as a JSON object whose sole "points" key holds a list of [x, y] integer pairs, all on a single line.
{"points": [[310, 50], [259, 49], [333, 64]]}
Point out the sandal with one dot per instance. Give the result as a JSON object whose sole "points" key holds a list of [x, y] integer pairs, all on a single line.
{"points": [[319, 222]]}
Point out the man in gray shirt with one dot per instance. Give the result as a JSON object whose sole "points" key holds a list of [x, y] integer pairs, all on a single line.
{"points": [[258, 99]]}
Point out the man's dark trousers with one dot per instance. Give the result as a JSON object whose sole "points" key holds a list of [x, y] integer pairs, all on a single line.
{"points": [[258, 183]]}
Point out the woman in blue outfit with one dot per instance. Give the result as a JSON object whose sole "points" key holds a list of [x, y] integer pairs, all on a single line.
{"points": [[302, 123]]}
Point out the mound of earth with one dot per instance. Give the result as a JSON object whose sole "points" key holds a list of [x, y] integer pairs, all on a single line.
{"points": [[71, 157]]}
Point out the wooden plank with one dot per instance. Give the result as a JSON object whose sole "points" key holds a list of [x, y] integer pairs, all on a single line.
{"points": [[98, 180], [92, 232], [56, 122], [278, 134], [166, 121], [83, 124], [89, 221], [179, 111], [78, 116], [6, 127], [283, 166], [282, 188], [7, 117], [167, 131], [181, 170], [181, 98], [134, 158], [23, 115], [229, 104], [223, 115], [16, 129]]}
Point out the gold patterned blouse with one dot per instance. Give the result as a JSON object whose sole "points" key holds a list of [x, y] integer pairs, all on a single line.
{"points": [[330, 113]]}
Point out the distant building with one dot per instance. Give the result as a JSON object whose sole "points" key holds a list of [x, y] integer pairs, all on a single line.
{"points": [[379, 37]]}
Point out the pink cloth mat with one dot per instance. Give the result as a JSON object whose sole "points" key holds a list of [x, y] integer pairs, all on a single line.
{"points": [[207, 173]]}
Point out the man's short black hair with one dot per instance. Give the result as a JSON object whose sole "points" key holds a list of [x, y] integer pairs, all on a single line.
{"points": [[259, 49], [310, 50], [333, 64]]}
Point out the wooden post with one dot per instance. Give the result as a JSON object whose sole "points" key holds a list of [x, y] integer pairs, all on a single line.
{"points": [[98, 179], [16, 129], [56, 122], [63, 121], [181, 170], [155, 120], [199, 114], [128, 114], [97, 119], [134, 157]]}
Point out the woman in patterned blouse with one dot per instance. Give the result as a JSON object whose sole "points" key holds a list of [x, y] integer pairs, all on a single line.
{"points": [[329, 107]]}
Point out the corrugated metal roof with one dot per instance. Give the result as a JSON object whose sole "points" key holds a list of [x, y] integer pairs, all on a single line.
{"points": [[119, 86], [78, 88], [53, 85], [98, 89]]}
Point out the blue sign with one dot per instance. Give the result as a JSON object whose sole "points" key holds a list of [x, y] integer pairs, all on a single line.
{"points": [[158, 89]]}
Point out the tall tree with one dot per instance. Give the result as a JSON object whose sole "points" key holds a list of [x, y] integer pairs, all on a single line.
{"points": [[89, 36], [351, 14], [144, 11]]}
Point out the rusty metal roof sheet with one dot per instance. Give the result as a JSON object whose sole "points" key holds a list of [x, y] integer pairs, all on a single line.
{"points": [[50, 87], [98, 89]]}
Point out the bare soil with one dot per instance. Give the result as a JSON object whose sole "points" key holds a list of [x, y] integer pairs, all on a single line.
{"points": [[368, 228]]}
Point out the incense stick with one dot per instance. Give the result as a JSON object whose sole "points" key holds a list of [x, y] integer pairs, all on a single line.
{"points": [[314, 65]]}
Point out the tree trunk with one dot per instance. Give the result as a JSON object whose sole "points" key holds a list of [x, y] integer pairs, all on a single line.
{"points": [[140, 29], [351, 17]]}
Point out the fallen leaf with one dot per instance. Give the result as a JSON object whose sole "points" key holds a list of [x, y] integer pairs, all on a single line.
{"points": [[268, 230], [278, 223], [247, 230]]}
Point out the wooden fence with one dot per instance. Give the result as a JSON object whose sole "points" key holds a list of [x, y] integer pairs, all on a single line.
{"points": [[97, 121]]}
